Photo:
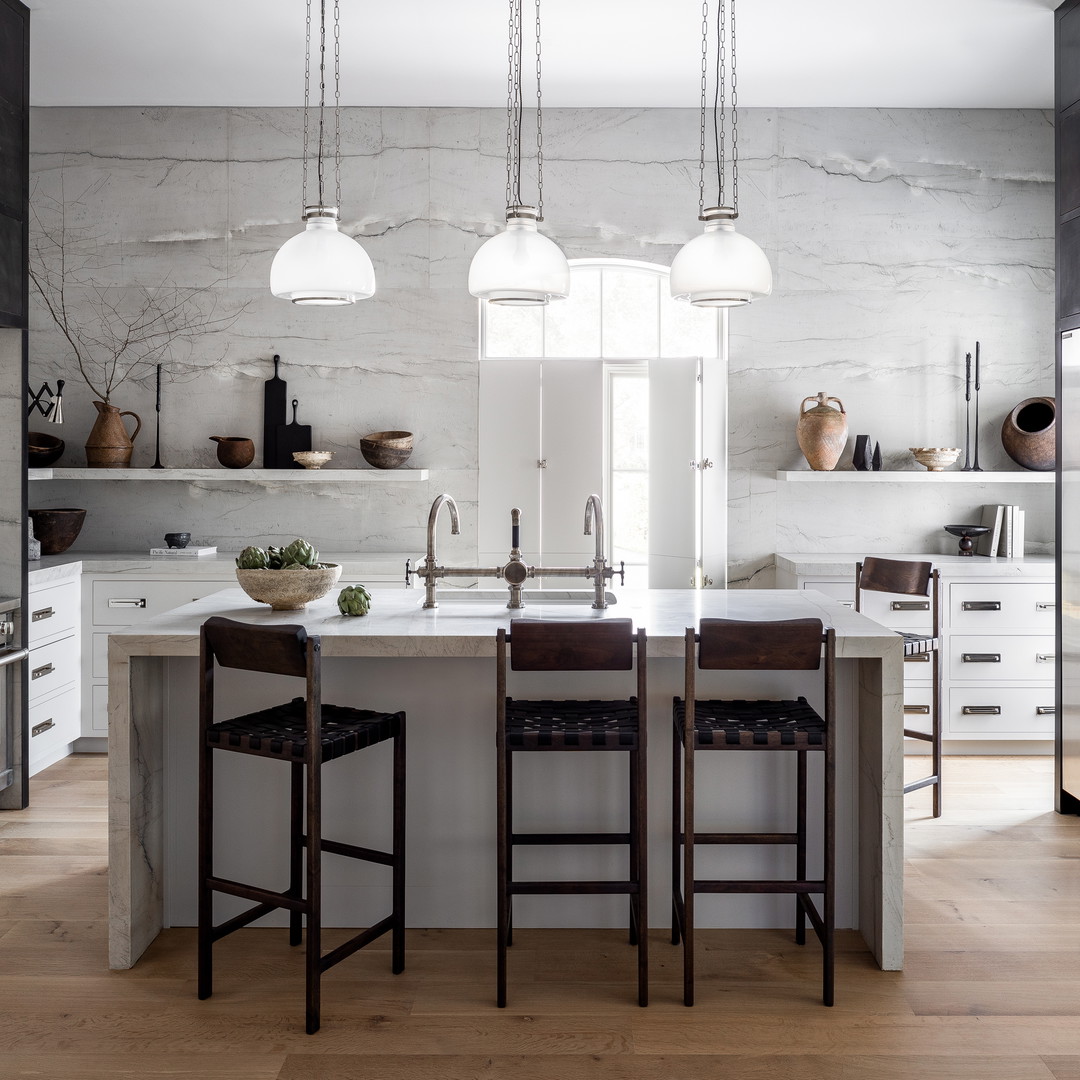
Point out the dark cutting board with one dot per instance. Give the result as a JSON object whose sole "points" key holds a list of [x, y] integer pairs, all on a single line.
{"points": [[290, 438], [274, 417]]}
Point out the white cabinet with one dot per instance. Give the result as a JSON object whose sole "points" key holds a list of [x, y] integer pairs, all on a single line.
{"points": [[998, 647], [53, 694]]}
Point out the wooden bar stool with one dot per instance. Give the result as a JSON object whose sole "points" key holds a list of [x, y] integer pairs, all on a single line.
{"points": [[913, 579], [572, 725], [773, 725], [305, 733]]}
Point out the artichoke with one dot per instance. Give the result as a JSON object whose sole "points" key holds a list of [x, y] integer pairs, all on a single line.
{"points": [[301, 553], [354, 600], [252, 558], [273, 558]]}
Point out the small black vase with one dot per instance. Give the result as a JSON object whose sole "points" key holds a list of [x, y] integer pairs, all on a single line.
{"points": [[862, 457]]}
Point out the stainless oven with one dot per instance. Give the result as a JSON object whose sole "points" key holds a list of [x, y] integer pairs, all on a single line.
{"points": [[12, 681]]}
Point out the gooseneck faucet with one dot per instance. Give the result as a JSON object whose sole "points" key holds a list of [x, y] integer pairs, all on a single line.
{"points": [[431, 565]]}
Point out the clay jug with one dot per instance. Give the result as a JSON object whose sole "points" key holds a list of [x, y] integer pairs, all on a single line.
{"points": [[822, 432], [109, 445]]}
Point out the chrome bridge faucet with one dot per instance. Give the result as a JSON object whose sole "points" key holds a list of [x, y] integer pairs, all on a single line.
{"points": [[515, 572]]}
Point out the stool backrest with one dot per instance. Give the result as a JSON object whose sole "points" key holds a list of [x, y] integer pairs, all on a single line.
{"points": [[781, 645], [277, 650], [894, 576], [606, 645]]}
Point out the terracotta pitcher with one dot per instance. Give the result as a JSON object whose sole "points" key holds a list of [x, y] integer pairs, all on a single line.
{"points": [[822, 432], [109, 445]]}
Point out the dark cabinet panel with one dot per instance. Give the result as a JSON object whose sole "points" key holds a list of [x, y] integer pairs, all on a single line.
{"points": [[14, 159], [1068, 268], [1068, 188], [1068, 74]]}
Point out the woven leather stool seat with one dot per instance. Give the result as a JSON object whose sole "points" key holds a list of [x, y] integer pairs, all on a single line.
{"points": [[914, 644], [281, 732], [577, 725], [753, 723]]}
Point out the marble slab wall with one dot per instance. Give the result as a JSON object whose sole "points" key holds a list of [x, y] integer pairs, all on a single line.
{"points": [[897, 238]]}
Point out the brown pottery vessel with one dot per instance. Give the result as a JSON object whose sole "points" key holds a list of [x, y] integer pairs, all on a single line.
{"points": [[109, 445], [822, 432], [1029, 434], [234, 451]]}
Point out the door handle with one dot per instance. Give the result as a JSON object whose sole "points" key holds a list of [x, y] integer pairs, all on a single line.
{"points": [[44, 726], [981, 605], [918, 658], [1045, 710], [40, 672], [981, 710], [1045, 657], [1045, 605], [917, 710], [41, 613], [980, 658], [118, 602], [910, 605]]}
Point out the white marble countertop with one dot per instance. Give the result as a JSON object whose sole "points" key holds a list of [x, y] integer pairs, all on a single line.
{"points": [[397, 625], [842, 564]]}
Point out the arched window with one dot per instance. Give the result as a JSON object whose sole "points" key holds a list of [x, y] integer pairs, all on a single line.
{"points": [[617, 390]]}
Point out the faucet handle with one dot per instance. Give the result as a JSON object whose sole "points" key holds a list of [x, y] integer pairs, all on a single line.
{"points": [[622, 572], [409, 571]]}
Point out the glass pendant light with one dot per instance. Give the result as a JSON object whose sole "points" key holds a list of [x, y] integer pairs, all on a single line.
{"points": [[520, 266], [720, 268], [322, 266]]}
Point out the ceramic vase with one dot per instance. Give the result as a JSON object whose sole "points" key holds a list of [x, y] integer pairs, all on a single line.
{"points": [[109, 446], [1029, 434], [822, 432]]}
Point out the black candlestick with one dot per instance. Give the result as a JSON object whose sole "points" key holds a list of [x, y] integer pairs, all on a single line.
{"points": [[978, 384], [157, 434], [967, 413]]}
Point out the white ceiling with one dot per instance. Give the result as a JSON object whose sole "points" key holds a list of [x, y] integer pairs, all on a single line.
{"points": [[890, 53]]}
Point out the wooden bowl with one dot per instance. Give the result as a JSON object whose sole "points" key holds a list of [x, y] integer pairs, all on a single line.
{"points": [[57, 529], [386, 449], [42, 450], [288, 590]]}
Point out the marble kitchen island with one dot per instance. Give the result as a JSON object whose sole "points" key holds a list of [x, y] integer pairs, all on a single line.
{"points": [[439, 666]]}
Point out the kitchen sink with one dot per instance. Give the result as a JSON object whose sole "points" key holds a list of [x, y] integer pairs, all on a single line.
{"points": [[528, 596]]}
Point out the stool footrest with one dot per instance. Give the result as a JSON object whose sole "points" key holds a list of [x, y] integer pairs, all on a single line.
{"points": [[926, 781], [776, 886], [241, 920], [743, 838], [336, 847], [570, 888], [925, 736], [262, 896], [347, 948], [570, 838], [818, 923]]}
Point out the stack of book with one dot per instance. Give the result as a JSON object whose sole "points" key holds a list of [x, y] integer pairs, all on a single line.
{"points": [[184, 552], [1006, 532]]}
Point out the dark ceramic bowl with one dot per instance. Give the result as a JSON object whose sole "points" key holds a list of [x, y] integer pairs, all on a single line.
{"points": [[178, 539], [57, 529], [387, 449], [42, 450]]}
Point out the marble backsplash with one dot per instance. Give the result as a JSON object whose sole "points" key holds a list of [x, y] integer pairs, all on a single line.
{"points": [[897, 238]]}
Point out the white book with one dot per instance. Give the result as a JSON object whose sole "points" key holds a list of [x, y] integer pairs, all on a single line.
{"points": [[988, 543], [1018, 534], [183, 553], [1005, 549]]}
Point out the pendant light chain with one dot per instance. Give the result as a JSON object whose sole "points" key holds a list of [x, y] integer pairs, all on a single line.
{"points": [[337, 103], [539, 128], [322, 96], [307, 106], [725, 58], [734, 121], [720, 100], [704, 104], [513, 107]]}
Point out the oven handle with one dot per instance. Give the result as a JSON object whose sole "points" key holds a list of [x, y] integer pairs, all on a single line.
{"points": [[11, 657]]}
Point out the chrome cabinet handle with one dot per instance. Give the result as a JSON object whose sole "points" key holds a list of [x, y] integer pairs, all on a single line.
{"points": [[918, 658], [981, 605], [118, 602], [910, 605], [917, 710], [1045, 657], [1045, 710], [44, 726], [981, 710], [41, 613], [980, 658], [39, 672], [1045, 605]]}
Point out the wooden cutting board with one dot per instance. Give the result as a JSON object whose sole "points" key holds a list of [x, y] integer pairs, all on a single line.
{"points": [[274, 417], [290, 438]]}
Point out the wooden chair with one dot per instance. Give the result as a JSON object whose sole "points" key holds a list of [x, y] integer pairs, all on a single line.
{"points": [[765, 725], [305, 733], [541, 726], [913, 579]]}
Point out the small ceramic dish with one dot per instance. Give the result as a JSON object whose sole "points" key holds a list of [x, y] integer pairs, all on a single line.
{"points": [[935, 458], [313, 459]]}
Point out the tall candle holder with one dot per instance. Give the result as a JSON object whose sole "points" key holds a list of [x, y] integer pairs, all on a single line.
{"points": [[157, 434]]}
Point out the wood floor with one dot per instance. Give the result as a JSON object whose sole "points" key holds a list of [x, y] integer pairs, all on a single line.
{"points": [[991, 988]]}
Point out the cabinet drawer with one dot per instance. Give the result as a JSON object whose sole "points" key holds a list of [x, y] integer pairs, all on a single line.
{"points": [[984, 657], [54, 611], [53, 722], [53, 666], [1011, 604], [898, 611], [918, 700], [122, 603], [994, 710]]}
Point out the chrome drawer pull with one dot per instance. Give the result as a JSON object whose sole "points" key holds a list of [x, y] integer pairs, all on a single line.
{"points": [[1045, 710], [1045, 657], [42, 613], [910, 605], [981, 605], [1045, 605], [44, 726], [918, 658], [38, 672], [981, 710], [115, 602], [917, 710], [980, 658]]}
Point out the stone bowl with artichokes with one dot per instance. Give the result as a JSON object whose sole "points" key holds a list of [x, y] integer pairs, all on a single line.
{"points": [[286, 578]]}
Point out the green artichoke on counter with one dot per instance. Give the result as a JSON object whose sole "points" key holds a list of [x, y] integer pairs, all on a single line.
{"points": [[252, 558], [354, 600]]}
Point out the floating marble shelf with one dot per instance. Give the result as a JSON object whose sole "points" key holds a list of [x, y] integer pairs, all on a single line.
{"points": [[885, 477], [250, 476]]}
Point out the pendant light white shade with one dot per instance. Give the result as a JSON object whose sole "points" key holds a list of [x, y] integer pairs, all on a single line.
{"points": [[322, 266], [519, 266], [720, 268]]}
